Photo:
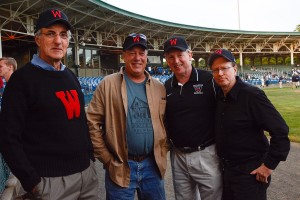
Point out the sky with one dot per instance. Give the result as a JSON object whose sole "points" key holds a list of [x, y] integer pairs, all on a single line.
{"points": [[253, 15]]}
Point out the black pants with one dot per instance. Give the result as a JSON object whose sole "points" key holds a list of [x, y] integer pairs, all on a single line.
{"points": [[239, 184]]}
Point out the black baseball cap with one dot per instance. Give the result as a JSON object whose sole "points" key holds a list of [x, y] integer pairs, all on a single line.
{"points": [[133, 40], [51, 16], [221, 53], [175, 42]]}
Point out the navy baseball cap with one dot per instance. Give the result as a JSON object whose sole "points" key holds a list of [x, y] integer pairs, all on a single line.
{"points": [[221, 53], [51, 16], [133, 40], [175, 42]]}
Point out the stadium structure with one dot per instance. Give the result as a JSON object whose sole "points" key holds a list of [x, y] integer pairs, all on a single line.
{"points": [[100, 29]]}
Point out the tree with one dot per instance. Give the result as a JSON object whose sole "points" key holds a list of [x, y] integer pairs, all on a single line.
{"points": [[297, 29]]}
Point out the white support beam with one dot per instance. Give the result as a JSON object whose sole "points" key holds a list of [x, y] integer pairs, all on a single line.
{"points": [[207, 47], [241, 60], [119, 41], [29, 25], [292, 54], [76, 48], [99, 38], [155, 44]]}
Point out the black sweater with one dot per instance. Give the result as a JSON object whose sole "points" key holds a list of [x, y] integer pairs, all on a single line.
{"points": [[43, 125]]}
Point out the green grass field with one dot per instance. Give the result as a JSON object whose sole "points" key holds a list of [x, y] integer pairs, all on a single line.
{"points": [[287, 102]]}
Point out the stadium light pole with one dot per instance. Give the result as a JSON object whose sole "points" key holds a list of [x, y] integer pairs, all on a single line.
{"points": [[238, 5]]}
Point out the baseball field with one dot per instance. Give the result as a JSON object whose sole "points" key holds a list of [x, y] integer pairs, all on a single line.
{"points": [[287, 102]]}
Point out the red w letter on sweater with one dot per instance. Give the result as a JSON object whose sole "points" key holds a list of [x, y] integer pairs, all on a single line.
{"points": [[71, 103]]}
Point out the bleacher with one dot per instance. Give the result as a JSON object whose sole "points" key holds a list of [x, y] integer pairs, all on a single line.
{"points": [[89, 85], [253, 75]]}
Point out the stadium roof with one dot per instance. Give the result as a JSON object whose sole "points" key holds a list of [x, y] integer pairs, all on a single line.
{"points": [[104, 26]]}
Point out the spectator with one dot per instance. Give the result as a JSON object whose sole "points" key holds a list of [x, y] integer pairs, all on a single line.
{"points": [[295, 80], [126, 121], [189, 118], [262, 79], [243, 113], [44, 135], [7, 66], [1, 86], [280, 81]]}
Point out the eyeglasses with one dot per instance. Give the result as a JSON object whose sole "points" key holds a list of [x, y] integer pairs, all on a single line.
{"points": [[223, 69], [52, 35], [138, 35]]}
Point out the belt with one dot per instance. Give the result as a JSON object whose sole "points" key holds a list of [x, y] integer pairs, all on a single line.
{"points": [[198, 148], [138, 158], [234, 163]]}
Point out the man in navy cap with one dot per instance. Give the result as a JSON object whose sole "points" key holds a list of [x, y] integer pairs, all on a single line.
{"points": [[189, 118], [44, 135], [243, 113], [126, 122]]}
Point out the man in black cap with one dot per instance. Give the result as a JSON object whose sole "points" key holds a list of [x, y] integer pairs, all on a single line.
{"points": [[126, 122], [44, 135], [243, 113], [189, 119]]}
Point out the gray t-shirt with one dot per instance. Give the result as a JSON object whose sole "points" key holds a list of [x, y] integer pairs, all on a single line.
{"points": [[139, 125]]}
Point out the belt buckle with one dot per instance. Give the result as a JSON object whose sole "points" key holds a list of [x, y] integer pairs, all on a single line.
{"points": [[186, 149], [201, 147]]}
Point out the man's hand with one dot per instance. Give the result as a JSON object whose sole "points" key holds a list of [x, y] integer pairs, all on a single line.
{"points": [[262, 173], [34, 190]]}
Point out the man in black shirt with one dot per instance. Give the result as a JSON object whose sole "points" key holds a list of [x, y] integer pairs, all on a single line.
{"points": [[243, 113], [189, 119]]}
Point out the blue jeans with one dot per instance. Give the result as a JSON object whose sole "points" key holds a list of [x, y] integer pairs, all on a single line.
{"points": [[144, 177]]}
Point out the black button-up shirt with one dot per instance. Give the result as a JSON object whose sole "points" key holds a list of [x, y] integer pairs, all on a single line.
{"points": [[241, 119]]}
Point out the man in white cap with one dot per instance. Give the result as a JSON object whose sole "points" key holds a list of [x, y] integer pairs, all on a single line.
{"points": [[44, 135]]}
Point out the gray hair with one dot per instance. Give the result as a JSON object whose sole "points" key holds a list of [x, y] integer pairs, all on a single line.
{"points": [[10, 61]]}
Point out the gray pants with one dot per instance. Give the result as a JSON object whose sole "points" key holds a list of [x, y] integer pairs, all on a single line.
{"points": [[196, 173], [82, 185]]}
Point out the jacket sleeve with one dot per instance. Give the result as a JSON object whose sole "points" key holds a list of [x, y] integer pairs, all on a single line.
{"points": [[96, 124], [270, 120], [12, 123]]}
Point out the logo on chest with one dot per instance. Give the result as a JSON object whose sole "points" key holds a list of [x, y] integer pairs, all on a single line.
{"points": [[71, 102], [198, 89]]}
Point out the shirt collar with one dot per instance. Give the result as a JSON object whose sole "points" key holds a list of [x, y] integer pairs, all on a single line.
{"points": [[233, 93], [38, 62], [122, 72], [194, 77]]}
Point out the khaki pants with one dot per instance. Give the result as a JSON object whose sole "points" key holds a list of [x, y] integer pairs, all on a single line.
{"points": [[82, 185], [197, 175]]}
